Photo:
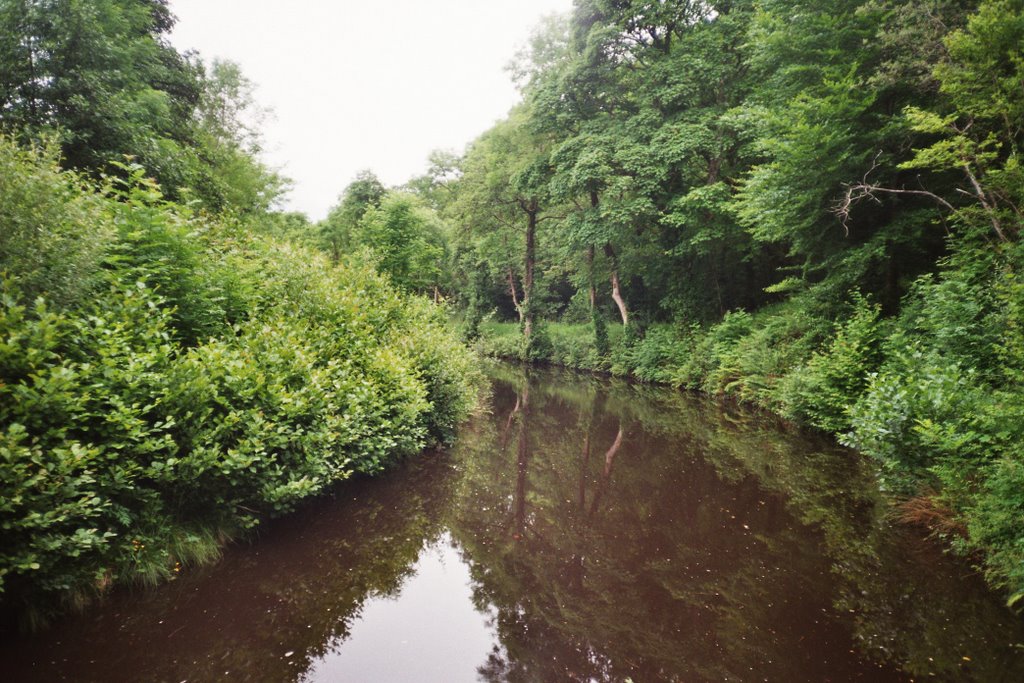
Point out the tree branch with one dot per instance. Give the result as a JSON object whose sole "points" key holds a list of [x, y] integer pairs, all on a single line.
{"points": [[867, 190]]}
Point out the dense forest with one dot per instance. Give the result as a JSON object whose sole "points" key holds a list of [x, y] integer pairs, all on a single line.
{"points": [[814, 207], [810, 206]]}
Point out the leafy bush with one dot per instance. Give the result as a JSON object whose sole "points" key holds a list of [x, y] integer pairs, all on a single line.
{"points": [[52, 235], [209, 379], [158, 244], [654, 358], [711, 350], [499, 340], [916, 408], [451, 376], [996, 523], [823, 390]]}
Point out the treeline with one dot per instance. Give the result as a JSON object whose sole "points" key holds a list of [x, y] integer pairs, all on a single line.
{"points": [[812, 206], [102, 79], [172, 371]]}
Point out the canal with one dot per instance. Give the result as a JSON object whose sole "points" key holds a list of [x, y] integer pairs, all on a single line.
{"points": [[582, 529]]}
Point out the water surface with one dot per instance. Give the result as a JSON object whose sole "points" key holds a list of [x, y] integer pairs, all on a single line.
{"points": [[582, 530]]}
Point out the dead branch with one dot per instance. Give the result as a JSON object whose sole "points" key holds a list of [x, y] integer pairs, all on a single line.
{"points": [[868, 190]]}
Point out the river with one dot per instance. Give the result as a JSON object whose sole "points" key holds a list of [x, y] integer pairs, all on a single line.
{"points": [[581, 530]]}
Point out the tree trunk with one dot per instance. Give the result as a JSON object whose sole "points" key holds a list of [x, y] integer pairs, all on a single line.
{"points": [[616, 289], [986, 202], [506, 434], [606, 473], [594, 201], [592, 286], [609, 457], [515, 295], [528, 268]]}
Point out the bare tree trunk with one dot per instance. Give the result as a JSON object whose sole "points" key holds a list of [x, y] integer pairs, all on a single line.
{"points": [[515, 295], [609, 457], [985, 201], [616, 289], [508, 425]]}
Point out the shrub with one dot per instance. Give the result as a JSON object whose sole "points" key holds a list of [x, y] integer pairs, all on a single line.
{"points": [[655, 357], [162, 246], [823, 390], [710, 350], [208, 379], [53, 235]]}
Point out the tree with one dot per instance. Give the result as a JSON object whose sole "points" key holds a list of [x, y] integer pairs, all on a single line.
{"points": [[101, 76], [436, 187], [504, 194], [408, 240], [228, 131], [363, 193]]}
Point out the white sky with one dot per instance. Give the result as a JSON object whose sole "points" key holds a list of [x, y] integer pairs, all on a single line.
{"points": [[365, 84]]}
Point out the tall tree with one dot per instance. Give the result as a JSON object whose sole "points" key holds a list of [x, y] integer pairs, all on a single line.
{"points": [[505, 194], [408, 239], [362, 194], [101, 75], [229, 135]]}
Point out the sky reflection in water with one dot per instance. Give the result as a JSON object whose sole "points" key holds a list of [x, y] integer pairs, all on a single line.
{"points": [[582, 530]]}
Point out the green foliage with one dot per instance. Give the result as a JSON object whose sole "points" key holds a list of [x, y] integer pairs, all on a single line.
{"points": [[228, 121], [102, 74], [452, 377], [655, 357], [103, 80], [601, 343], [916, 402], [52, 235], [994, 523], [164, 248], [823, 391], [199, 380], [407, 239], [813, 206], [499, 340], [704, 165], [711, 348], [338, 230]]}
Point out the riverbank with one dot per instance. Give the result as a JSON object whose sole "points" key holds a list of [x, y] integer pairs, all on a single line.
{"points": [[169, 379], [932, 394], [580, 528]]}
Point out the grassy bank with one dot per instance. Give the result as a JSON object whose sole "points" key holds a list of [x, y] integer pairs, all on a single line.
{"points": [[933, 394], [169, 379]]}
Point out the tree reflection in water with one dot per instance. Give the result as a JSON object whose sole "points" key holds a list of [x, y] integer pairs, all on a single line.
{"points": [[707, 543], [612, 532]]}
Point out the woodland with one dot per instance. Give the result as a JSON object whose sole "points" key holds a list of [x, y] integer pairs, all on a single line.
{"points": [[812, 207]]}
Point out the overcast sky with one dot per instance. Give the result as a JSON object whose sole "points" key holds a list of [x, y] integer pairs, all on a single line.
{"points": [[367, 84]]}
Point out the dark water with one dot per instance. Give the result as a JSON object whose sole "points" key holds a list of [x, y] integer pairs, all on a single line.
{"points": [[582, 531]]}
